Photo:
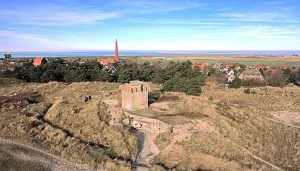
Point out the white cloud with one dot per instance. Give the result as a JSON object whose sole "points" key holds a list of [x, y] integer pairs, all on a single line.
{"points": [[278, 2], [26, 36], [270, 32], [138, 6], [177, 22], [54, 15], [251, 37], [252, 33], [17, 41], [260, 17]]}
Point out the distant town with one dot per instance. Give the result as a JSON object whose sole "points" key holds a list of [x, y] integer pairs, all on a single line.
{"points": [[256, 74]]}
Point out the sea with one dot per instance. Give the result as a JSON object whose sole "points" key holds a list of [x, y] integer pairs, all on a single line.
{"points": [[149, 53]]}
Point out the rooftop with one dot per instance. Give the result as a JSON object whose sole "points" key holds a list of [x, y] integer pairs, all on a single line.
{"points": [[136, 82]]}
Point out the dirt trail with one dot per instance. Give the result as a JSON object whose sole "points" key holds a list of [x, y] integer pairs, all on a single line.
{"points": [[54, 162], [255, 156], [143, 152], [284, 123]]}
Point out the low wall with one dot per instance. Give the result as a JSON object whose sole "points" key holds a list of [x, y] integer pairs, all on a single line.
{"points": [[153, 126]]}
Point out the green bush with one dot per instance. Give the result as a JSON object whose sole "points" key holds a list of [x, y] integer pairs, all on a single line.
{"points": [[247, 91], [236, 83], [253, 83], [176, 76]]}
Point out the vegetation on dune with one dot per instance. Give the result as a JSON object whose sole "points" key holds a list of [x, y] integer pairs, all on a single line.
{"points": [[70, 128], [249, 134], [163, 140], [274, 78], [179, 75], [97, 131], [9, 162], [244, 121], [236, 83]]}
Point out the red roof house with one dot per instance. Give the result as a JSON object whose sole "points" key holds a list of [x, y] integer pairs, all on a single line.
{"points": [[39, 60], [269, 70], [201, 66], [106, 62], [11, 68], [146, 57], [283, 67]]}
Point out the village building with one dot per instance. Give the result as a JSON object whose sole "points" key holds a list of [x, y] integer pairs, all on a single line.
{"points": [[201, 66], [112, 70], [159, 58], [228, 66], [135, 95], [11, 68], [251, 74], [237, 67], [294, 70], [264, 67], [231, 72], [217, 66], [146, 57], [7, 59], [7, 56], [268, 70], [230, 78], [106, 62], [283, 67], [39, 61]]}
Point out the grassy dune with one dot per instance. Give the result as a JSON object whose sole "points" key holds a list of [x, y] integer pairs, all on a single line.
{"points": [[247, 130], [9, 162], [73, 129]]}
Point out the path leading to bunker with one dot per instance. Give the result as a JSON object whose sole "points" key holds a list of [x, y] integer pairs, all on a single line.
{"points": [[143, 151], [26, 152]]}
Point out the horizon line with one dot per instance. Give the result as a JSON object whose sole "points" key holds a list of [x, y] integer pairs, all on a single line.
{"points": [[53, 51]]}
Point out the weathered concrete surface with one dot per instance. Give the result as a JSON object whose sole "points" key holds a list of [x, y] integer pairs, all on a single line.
{"points": [[135, 95], [143, 151]]}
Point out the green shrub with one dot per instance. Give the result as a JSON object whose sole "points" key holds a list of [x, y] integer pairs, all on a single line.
{"points": [[247, 91], [236, 83]]}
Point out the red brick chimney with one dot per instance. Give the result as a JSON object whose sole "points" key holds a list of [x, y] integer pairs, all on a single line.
{"points": [[116, 51]]}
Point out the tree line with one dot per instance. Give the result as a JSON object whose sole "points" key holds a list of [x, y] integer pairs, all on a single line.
{"points": [[176, 76], [273, 78]]}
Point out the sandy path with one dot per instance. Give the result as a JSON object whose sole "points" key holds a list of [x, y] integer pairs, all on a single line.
{"points": [[284, 123], [42, 157], [255, 156], [143, 152]]}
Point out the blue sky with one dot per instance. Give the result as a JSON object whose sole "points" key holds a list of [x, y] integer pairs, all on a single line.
{"points": [[68, 25]]}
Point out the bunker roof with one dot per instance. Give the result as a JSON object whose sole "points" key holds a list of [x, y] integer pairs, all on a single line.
{"points": [[136, 83]]}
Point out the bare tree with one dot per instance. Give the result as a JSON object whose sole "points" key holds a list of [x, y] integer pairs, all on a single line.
{"points": [[276, 78]]}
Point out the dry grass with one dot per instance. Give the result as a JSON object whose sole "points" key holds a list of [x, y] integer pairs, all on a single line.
{"points": [[89, 121], [163, 140], [9, 162], [241, 120], [245, 120], [247, 60], [85, 121]]}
